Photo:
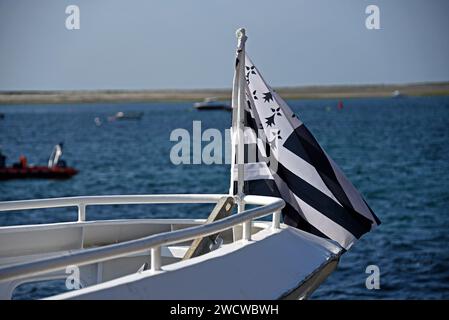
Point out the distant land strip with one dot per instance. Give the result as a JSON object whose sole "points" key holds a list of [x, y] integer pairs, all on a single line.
{"points": [[307, 92]]}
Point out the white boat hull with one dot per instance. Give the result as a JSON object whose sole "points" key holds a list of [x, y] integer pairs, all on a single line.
{"points": [[143, 258], [273, 265], [285, 263]]}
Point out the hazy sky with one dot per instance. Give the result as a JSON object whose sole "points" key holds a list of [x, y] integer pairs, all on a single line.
{"points": [[153, 44]]}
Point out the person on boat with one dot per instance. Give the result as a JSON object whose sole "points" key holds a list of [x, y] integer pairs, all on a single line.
{"points": [[23, 161], [2, 159]]}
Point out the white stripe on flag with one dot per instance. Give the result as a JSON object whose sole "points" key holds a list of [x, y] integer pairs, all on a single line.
{"points": [[305, 171], [255, 171], [327, 226]]}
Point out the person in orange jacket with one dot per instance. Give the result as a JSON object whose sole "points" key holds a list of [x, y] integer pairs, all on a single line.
{"points": [[23, 161]]}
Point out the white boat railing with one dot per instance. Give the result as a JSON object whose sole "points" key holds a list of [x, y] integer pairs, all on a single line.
{"points": [[268, 206]]}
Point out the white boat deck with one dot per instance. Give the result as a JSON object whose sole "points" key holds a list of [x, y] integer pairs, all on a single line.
{"points": [[271, 261]]}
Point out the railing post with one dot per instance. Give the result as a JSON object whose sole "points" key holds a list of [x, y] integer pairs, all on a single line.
{"points": [[81, 212], [247, 230], [156, 259], [277, 219], [247, 224]]}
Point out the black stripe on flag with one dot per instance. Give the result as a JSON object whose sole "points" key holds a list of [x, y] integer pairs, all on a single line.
{"points": [[303, 144], [357, 226], [267, 187]]}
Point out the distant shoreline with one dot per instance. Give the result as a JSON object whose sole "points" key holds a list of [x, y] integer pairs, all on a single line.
{"points": [[307, 92]]}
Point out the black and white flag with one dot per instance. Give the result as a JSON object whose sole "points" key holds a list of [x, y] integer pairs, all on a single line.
{"points": [[283, 159]]}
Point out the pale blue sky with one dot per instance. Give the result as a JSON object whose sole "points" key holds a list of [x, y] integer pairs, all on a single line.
{"points": [[190, 44]]}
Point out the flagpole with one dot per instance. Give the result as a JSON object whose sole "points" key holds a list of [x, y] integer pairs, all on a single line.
{"points": [[238, 97], [240, 112], [241, 36]]}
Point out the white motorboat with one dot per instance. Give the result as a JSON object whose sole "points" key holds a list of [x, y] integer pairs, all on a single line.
{"points": [[137, 115], [228, 256], [397, 94], [211, 103]]}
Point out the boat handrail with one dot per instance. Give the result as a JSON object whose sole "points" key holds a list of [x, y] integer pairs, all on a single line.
{"points": [[83, 201], [269, 206]]}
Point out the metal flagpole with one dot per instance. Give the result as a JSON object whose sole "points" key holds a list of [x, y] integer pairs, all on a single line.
{"points": [[237, 115], [234, 125], [239, 79]]}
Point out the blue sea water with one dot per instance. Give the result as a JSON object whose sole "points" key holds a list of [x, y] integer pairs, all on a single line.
{"points": [[395, 151]]}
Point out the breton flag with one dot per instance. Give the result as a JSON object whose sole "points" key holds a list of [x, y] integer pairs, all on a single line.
{"points": [[283, 159]]}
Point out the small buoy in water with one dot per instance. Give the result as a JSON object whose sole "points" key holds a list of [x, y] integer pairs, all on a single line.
{"points": [[97, 121], [340, 105]]}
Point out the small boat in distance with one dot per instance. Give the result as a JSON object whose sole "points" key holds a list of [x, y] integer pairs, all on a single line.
{"points": [[211, 103], [397, 94], [132, 115], [37, 172], [56, 168]]}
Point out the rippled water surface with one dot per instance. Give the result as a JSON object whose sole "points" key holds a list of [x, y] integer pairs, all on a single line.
{"points": [[396, 151]]}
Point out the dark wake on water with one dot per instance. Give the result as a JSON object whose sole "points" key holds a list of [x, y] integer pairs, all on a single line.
{"points": [[395, 151]]}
